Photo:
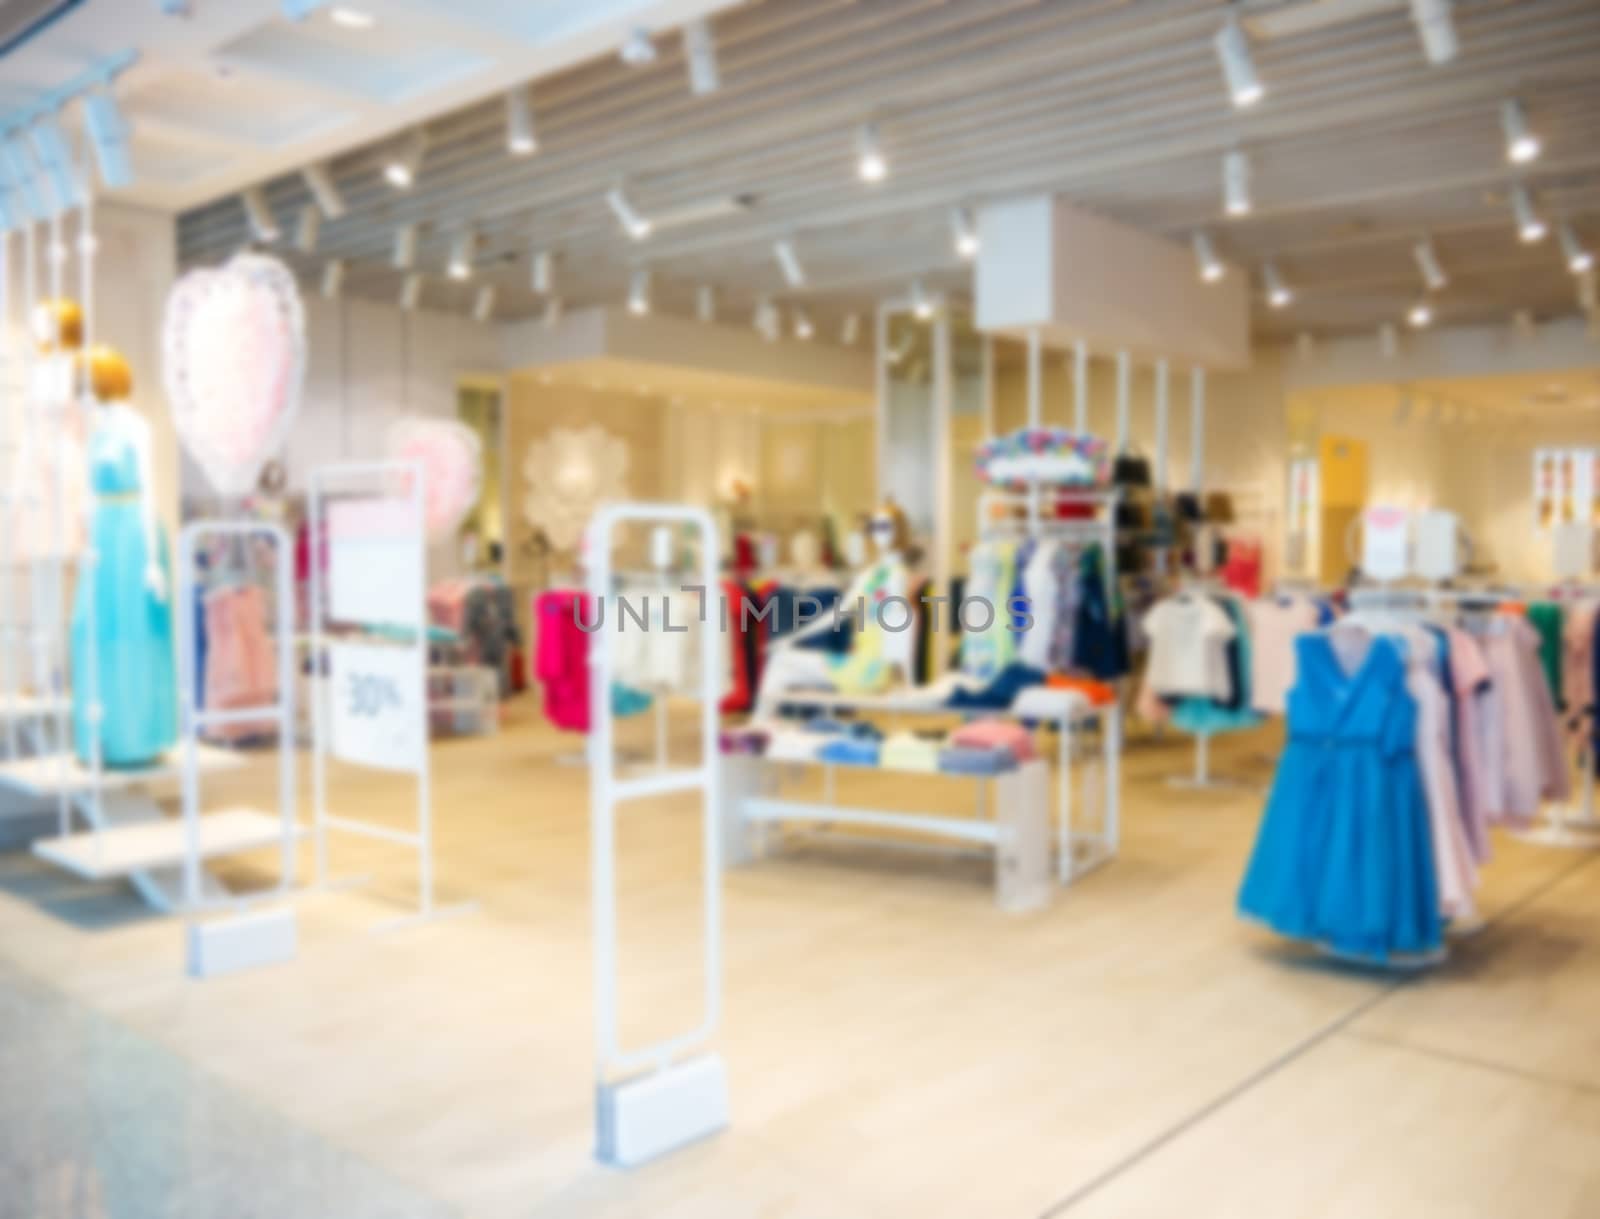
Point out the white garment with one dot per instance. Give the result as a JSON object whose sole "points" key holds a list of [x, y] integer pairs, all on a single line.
{"points": [[1039, 586], [1437, 554], [1188, 648], [659, 660]]}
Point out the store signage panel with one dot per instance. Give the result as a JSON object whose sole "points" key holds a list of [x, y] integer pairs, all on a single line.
{"points": [[375, 697], [374, 562]]}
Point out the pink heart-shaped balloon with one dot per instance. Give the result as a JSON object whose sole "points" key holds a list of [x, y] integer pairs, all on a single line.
{"points": [[234, 359], [451, 457]]}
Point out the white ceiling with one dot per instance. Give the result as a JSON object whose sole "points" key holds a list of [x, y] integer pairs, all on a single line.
{"points": [[235, 92]]}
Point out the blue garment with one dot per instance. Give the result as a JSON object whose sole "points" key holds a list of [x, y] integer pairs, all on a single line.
{"points": [[1100, 636], [626, 701], [850, 751], [134, 674], [1344, 855], [1001, 690], [969, 760]]}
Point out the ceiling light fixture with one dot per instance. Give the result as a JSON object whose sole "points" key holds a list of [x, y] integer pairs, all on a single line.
{"points": [[20, 173], [871, 165], [700, 52], [803, 329], [462, 250], [405, 160], [793, 273], [964, 229], [1278, 294], [638, 49], [1433, 276], [256, 211], [1436, 28], [1529, 227], [520, 138], [544, 272], [50, 150], [633, 224], [1238, 69], [333, 278], [307, 228], [411, 291], [108, 136], [921, 302], [405, 248], [483, 304], [1420, 314], [321, 185], [639, 293], [350, 18], [1236, 183], [1522, 145], [1578, 259], [705, 303], [1205, 257]]}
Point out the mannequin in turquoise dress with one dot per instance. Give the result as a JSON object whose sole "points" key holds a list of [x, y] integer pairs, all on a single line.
{"points": [[129, 662]]}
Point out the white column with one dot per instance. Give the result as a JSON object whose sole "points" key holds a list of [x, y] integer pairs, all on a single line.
{"points": [[943, 467], [1161, 427], [1080, 388], [1124, 407], [1197, 428]]}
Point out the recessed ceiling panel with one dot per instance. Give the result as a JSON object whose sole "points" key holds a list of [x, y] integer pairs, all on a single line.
{"points": [[247, 110], [386, 63]]}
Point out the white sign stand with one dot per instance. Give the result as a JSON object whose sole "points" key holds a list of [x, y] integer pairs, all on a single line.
{"points": [[652, 1100], [369, 708]]}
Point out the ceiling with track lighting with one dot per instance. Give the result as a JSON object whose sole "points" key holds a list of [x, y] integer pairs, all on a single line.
{"points": [[1352, 135]]}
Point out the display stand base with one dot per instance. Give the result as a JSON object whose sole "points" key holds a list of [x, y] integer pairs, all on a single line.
{"points": [[638, 1120], [1571, 835], [229, 945]]}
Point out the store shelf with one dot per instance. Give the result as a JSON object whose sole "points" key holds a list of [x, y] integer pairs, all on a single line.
{"points": [[32, 706], [51, 774], [124, 850]]}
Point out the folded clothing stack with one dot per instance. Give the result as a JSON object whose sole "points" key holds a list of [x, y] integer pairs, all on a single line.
{"points": [[908, 751], [745, 741], [995, 734], [793, 745], [976, 760], [850, 750]]}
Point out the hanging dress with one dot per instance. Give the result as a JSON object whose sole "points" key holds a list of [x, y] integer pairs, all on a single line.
{"points": [[137, 682], [1344, 856]]}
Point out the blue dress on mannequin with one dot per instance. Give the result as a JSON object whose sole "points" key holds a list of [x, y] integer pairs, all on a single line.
{"points": [[133, 652], [1344, 856]]}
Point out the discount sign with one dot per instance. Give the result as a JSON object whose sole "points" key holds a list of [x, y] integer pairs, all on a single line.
{"points": [[378, 714]]}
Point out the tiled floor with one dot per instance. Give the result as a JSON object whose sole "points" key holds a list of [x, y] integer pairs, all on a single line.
{"points": [[897, 1047]]}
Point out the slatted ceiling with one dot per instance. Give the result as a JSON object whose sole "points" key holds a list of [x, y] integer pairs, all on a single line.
{"points": [[1120, 107]]}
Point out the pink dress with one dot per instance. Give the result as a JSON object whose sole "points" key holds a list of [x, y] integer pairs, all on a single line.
{"points": [[561, 657], [1470, 678], [1531, 759], [240, 668]]}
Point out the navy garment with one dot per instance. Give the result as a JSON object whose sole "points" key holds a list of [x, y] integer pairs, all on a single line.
{"points": [[1001, 690], [1239, 699], [837, 637], [1100, 639]]}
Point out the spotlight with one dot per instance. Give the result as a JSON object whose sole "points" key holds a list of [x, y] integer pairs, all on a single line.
{"points": [[705, 303], [1420, 315], [638, 49], [793, 273], [1522, 145], [22, 176], [802, 325], [1436, 28], [462, 250], [320, 183], [405, 161], [259, 214], [1578, 259], [635, 225], [639, 293], [1278, 294], [871, 166], [1238, 69], [701, 53], [520, 138], [307, 229], [965, 232], [544, 272], [1427, 257], [50, 149], [108, 136], [1236, 183], [411, 291], [1205, 256], [921, 302], [333, 278], [1529, 227], [405, 248], [483, 304], [351, 18]]}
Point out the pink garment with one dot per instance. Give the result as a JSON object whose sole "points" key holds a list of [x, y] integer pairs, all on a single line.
{"points": [[447, 604], [1470, 680], [561, 657], [996, 734], [1273, 628], [240, 668], [1577, 664], [1534, 764], [1452, 854]]}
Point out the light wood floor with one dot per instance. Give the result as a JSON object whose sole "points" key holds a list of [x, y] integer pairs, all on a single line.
{"points": [[897, 1047]]}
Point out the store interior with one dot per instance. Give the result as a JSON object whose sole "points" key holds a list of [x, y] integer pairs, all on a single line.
{"points": [[850, 608]]}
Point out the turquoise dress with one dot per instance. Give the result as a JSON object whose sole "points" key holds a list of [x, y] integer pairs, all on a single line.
{"points": [[138, 684], [1344, 856]]}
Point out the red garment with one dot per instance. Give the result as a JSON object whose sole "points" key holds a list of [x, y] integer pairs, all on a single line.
{"points": [[1242, 571], [740, 624], [561, 657]]}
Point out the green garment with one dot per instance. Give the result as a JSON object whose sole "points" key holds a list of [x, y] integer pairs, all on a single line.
{"points": [[1546, 618]]}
